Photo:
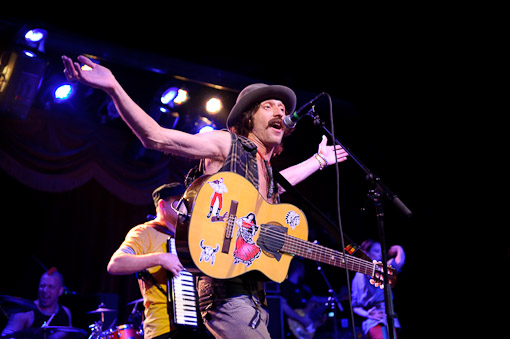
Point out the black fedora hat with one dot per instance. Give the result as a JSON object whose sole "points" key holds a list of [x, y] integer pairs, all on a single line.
{"points": [[256, 93], [173, 189]]}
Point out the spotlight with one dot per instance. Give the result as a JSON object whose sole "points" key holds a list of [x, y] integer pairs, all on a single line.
{"points": [[205, 129], [35, 38], [182, 97], [174, 96], [169, 95], [92, 58], [204, 125], [63, 92], [213, 105], [29, 54], [35, 35]]}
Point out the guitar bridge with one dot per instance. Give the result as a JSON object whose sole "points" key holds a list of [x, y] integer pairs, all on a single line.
{"points": [[229, 230]]}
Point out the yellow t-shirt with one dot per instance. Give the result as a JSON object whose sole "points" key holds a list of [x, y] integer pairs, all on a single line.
{"points": [[145, 239]]}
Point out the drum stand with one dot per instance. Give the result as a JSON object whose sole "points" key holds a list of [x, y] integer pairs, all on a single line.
{"points": [[136, 317], [97, 327]]}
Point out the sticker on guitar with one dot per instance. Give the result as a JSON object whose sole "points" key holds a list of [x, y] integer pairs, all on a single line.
{"points": [[292, 219], [219, 188], [246, 251], [208, 253]]}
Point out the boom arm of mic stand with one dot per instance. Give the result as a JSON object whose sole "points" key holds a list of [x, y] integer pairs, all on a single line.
{"points": [[381, 190], [369, 175]]}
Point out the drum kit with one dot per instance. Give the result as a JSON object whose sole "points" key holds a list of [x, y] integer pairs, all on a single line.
{"points": [[10, 305], [127, 331]]}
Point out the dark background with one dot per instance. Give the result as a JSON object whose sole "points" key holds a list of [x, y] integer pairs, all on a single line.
{"points": [[388, 85]]}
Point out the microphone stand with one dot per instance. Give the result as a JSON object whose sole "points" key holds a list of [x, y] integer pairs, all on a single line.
{"points": [[333, 302], [376, 195]]}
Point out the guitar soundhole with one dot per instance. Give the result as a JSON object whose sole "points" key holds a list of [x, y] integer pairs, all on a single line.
{"points": [[271, 239]]}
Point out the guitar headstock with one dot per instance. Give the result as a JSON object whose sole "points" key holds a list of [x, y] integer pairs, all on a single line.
{"points": [[378, 278]]}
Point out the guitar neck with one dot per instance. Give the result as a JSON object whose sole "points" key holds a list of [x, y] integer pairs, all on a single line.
{"points": [[308, 250]]}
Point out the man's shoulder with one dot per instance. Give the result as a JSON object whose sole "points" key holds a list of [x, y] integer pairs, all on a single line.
{"points": [[141, 228]]}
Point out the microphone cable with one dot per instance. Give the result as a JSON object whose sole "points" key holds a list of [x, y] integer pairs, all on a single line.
{"points": [[337, 171]]}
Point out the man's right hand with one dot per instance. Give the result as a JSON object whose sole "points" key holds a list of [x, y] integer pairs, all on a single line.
{"points": [[171, 263], [96, 76]]}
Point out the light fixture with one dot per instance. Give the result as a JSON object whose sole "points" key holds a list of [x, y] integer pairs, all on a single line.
{"points": [[204, 124], [35, 39], [63, 92], [169, 95], [182, 97], [213, 105], [207, 128]]}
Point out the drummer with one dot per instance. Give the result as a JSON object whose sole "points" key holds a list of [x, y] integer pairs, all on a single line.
{"points": [[47, 310]]}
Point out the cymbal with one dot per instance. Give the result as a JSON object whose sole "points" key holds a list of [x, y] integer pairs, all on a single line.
{"points": [[15, 304], [44, 332], [102, 310], [135, 301]]}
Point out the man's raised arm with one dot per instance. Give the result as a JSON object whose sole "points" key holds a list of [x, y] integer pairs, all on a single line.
{"points": [[212, 145]]}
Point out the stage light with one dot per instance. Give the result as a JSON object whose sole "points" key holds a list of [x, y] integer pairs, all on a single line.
{"points": [[205, 129], [21, 75], [182, 97], [35, 35], [35, 38], [204, 124], [174, 96], [169, 95], [63, 92], [85, 67], [213, 105], [29, 54]]}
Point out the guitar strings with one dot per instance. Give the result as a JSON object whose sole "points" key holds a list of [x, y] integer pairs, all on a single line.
{"points": [[329, 255], [326, 255]]}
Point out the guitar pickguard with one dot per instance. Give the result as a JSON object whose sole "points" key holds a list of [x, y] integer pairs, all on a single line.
{"points": [[271, 239]]}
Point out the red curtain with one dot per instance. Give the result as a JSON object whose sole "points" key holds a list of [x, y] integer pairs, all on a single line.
{"points": [[59, 151], [72, 188]]}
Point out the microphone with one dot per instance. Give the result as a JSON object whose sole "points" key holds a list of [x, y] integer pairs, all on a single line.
{"points": [[290, 120]]}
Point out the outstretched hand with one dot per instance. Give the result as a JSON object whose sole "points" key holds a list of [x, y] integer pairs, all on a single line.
{"points": [[95, 75], [328, 152]]}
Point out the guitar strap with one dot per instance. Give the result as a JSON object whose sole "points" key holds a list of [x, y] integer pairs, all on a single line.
{"points": [[162, 229], [323, 220], [145, 275]]}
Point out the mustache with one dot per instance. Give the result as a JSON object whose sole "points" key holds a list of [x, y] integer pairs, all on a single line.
{"points": [[278, 123], [275, 122]]}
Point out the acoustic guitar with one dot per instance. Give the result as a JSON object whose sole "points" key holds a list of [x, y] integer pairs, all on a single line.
{"points": [[226, 228]]}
